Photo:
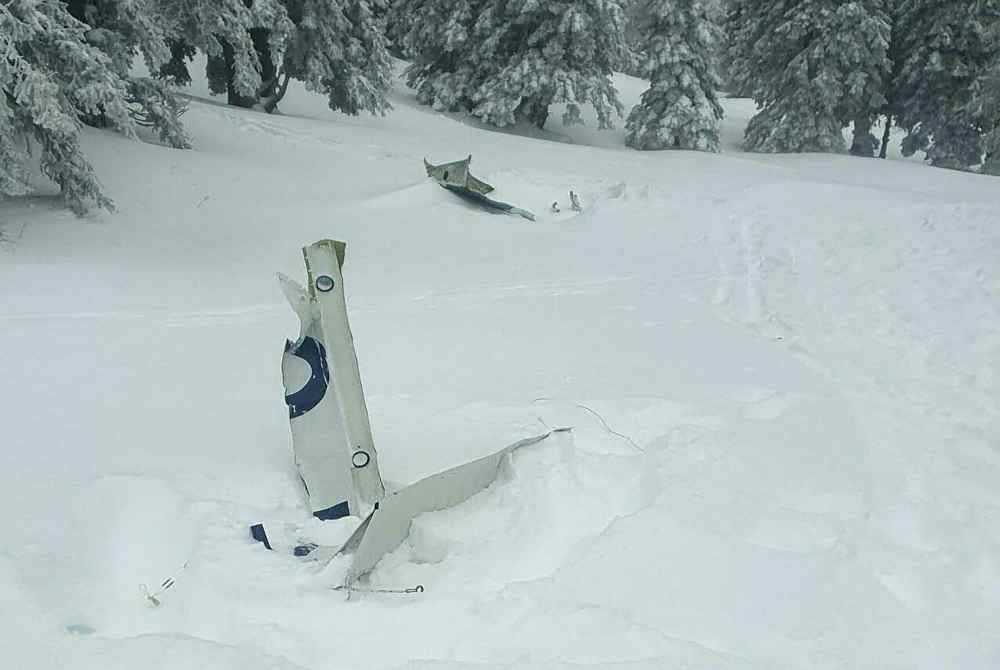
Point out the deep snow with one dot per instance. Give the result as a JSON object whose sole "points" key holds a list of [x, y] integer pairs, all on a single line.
{"points": [[804, 350]]}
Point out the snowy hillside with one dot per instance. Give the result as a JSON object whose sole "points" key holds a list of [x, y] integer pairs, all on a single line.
{"points": [[797, 359]]}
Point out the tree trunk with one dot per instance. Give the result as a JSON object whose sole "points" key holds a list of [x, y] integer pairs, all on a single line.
{"points": [[233, 96], [268, 70], [271, 103], [863, 143], [175, 70], [885, 136], [535, 110], [991, 164]]}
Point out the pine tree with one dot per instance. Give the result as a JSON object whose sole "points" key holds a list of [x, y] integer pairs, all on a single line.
{"points": [[439, 36], [869, 26], [337, 48], [635, 42], [890, 110], [946, 48], [541, 53], [397, 22], [813, 66], [991, 140], [506, 61], [985, 104], [123, 29], [741, 33], [242, 39], [50, 77], [175, 70], [680, 110]]}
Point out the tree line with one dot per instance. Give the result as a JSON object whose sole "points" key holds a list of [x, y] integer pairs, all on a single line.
{"points": [[813, 67]]}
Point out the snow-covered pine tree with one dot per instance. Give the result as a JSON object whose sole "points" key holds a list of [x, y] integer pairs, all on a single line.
{"points": [[635, 19], [242, 39], [813, 66], [716, 10], [681, 109], [508, 60], [946, 48], [890, 108], [986, 95], [337, 48], [175, 70], [396, 25], [438, 36], [50, 76], [123, 29], [737, 55], [534, 54], [868, 26]]}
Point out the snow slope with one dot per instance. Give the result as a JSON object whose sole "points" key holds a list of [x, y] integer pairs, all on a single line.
{"points": [[795, 360]]}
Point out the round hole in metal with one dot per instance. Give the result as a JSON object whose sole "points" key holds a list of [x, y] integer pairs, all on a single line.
{"points": [[360, 459], [324, 283]]}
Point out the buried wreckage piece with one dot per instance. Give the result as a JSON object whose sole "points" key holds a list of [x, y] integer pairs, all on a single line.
{"points": [[456, 178], [331, 431]]}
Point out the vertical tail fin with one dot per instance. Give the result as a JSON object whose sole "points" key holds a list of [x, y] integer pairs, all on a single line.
{"points": [[331, 432]]}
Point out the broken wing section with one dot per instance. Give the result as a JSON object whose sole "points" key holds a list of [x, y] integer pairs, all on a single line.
{"points": [[389, 523]]}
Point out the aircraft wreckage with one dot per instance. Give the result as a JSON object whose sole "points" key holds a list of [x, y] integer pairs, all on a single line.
{"points": [[455, 177], [331, 433]]}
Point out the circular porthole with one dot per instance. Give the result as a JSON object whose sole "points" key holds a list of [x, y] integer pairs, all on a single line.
{"points": [[360, 459], [324, 283]]}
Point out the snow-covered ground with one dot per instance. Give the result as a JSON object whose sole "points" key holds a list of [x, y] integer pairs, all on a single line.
{"points": [[796, 362]]}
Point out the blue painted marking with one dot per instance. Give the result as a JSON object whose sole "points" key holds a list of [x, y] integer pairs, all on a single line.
{"points": [[304, 549], [310, 395], [257, 533], [338, 511]]}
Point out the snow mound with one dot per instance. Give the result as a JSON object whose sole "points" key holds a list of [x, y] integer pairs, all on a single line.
{"points": [[549, 502]]}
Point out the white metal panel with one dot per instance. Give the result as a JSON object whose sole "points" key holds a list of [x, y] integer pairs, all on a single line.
{"points": [[326, 287], [389, 525]]}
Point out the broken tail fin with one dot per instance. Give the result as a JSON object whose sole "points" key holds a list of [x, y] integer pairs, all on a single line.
{"points": [[331, 432]]}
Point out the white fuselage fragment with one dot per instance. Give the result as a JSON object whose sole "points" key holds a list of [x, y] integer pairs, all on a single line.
{"points": [[331, 432]]}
